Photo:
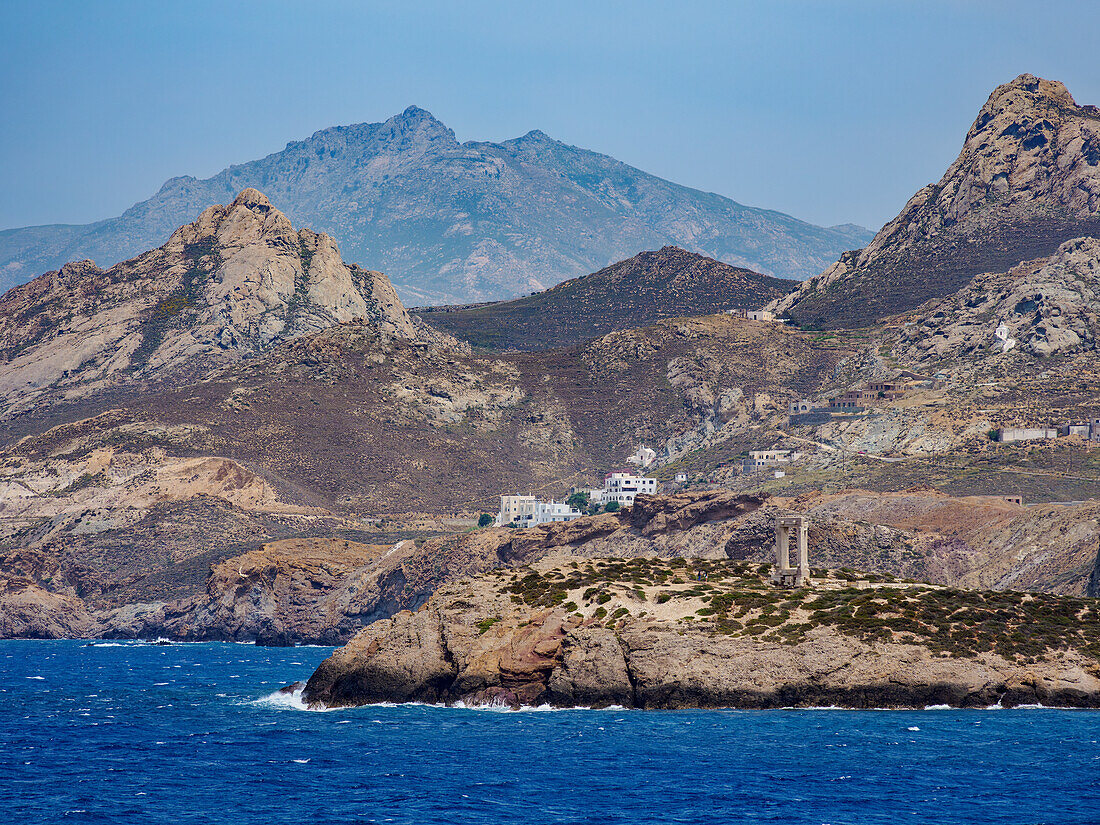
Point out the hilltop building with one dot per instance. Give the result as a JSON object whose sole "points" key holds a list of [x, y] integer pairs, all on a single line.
{"points": [[643, 457]]}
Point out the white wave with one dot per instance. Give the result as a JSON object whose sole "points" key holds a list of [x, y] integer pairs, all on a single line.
{"points": [[913, 727], [938, 707], [286, 700], [293, 701], [37, 678]]}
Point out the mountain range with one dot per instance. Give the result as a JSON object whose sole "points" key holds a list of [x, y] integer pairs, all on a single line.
{"points": [[234, 434], [454, 222]]}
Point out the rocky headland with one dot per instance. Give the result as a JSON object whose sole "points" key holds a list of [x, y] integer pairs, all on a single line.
{"points": [[658, 633]]}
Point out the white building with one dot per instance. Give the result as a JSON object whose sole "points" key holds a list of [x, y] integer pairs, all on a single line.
{"points": [[1008, 434], [772, 456], [528, 511], [643, 457], [621, 486], [752, 314]]}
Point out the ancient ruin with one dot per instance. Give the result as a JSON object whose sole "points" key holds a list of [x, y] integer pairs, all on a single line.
{"points": [[785, 575]]}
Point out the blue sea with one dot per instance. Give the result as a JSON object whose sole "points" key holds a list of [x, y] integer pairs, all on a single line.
{"points": [[197, 733]]}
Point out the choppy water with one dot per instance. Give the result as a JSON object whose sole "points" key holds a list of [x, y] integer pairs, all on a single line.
{"points": [[138, 733]]}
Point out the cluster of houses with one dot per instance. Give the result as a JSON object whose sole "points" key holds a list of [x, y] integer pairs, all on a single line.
{"points": [[620, 486], [1090, 431]]}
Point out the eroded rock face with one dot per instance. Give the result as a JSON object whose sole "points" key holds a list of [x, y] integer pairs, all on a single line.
{"points": [[1026, 180], [28, 611], [237, 281], [1049, 306]]}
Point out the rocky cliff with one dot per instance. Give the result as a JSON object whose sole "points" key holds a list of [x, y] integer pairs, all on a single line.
{"points": [[656, 634], [454, 222], [1027, 180], [668, 283]]}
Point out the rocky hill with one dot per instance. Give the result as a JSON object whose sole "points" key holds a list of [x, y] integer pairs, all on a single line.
{"points": [[238, 281], [668, 283], [456, 222], [659, 633], [1027, 180]]}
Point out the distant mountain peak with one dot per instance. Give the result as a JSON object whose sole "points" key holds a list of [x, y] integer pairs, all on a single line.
{"points": [[415, 121], [454, 222]]}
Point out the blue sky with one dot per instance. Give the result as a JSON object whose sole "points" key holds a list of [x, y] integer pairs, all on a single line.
{"points": [[831, 111]]}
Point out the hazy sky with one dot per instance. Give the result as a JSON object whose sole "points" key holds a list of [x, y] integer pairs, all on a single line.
{"points": [[831, 111]]}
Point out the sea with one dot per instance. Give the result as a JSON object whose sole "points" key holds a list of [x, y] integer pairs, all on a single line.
{"points": [[134, 732]]}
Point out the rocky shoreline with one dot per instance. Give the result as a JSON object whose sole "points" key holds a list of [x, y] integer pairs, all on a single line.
{"points": [[495, 640]]}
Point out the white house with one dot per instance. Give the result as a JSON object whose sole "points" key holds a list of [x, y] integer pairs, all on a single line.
{"points": [[621, 486], [752, 314], [528, 511], [643, 457]]}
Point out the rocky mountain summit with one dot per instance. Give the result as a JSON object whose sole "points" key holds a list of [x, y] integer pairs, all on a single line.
{"points": [[1027, 180], [454, 222], [668, 283], [236, 282]]}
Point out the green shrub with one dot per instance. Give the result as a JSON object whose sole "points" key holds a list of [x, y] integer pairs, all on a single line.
{"points": [[485, 624]]}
